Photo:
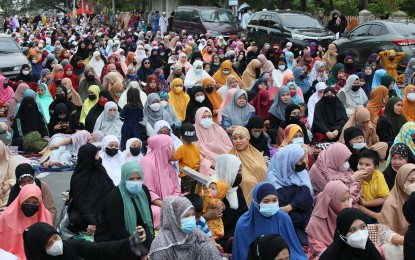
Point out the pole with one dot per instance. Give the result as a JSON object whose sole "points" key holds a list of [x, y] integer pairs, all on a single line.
{"points": [[113, 8]]}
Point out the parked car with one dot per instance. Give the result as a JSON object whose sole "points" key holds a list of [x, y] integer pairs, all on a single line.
{"points": [[202, 19], [11, 57], [287, 26], [376, 36]]}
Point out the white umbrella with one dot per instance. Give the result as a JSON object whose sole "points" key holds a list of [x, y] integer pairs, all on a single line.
{"points": [[243, 6]]}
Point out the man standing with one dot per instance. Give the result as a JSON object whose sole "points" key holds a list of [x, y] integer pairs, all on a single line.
{"points": [[170, 20], [155, 21], [163, 23]]}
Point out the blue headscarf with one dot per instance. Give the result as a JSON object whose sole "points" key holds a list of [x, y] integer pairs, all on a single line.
{"points": [[296, 99], [44, 101], [277, 108], [288, 55], [376, 81], [253, 224], [281, 172], [302, 83]]}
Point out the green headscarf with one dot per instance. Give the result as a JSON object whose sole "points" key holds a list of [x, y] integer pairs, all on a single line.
{"points": [[44, 101], [386, 80], [140, 200], [334, 73]]}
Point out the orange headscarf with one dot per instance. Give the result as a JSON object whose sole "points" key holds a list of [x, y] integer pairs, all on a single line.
{"points": [[376, 103], [220, 77], [214, 97], [408, 108], [286, 78], [118, 87], [178, 99], [352, 25], [130, 56], [52, 87]]}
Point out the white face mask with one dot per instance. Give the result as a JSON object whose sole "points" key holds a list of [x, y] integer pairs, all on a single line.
{"points": [[118, 94], [357, 240], [411, 97], [164, 103], [155, 106], [206, 122], [56, 249], [409, 188], [200, 99], [255, 134], [25, 72], [345, 167]]}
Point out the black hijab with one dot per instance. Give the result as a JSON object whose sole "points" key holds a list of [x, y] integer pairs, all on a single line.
{"points": [[71, 108], [77, 70], [399, 148], [96, 111], [144, 72], [194, 105], [349, 134], [82, 52], [339, 249], [29, 117], [22, 170], [409, 241], [267, 247], [25, 78], [291, 120], [260, 143], [155, 59]]}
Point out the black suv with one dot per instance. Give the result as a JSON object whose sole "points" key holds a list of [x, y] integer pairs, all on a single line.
{"points": [[288, 26]]}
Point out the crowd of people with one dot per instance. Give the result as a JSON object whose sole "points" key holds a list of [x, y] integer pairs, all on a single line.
{"points": [[290, 141]]}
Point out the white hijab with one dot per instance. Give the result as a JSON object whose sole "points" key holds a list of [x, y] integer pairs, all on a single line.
{"points": [[192, 77], [112, 164], [107, 124], [161, 124], [313, 101], [97, 65], [128, 156]]}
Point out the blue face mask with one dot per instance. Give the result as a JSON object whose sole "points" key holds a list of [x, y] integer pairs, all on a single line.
{"points": [[198, 71], [132, 77], [269, 210], [161, 76], [188, 224], [298, 140], [133, 187], [281, 67], [359, 146]]}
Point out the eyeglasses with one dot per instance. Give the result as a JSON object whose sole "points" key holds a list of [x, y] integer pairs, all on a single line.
{"points": [[146, 62]]}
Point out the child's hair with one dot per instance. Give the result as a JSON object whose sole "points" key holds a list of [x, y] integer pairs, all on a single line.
{"points": [[196, 201], [366, 153], [305, 108], [133, 98]]}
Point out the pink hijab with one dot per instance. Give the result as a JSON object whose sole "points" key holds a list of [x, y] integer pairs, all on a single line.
{"points": [[212, 142], [159, 174], [16, 99], [5, 93], [328, 205], [13, 222], [229, 97]]}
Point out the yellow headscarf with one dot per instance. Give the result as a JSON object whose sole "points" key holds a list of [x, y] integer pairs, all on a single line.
{"points": [[88, 104], [178, 99], [220, 77]]}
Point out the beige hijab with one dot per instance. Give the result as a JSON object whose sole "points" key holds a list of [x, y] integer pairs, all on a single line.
{"points": [[8, 163], [249, 74]]}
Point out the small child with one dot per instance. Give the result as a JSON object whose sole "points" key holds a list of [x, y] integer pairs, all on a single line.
{"points": [[304, 114], [212, 198], [374, 190], [131, 115], [188, 155]]}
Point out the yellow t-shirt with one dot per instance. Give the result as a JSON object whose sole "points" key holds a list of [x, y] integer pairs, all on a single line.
{"points": [[376, 188], [188, 155]]}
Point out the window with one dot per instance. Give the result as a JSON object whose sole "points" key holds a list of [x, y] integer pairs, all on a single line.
{"points": [[255, 20], [274, 22], [404, 28], [298, 21], [217, 16], [375, 30], [264, 20], [8, 45], [184, 15], [360, 31]]}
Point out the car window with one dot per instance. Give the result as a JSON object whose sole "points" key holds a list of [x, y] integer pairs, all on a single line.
{"points": [[274, 22], [384, 31], [217, 16], [404, 28], [264, 20], [255, 20], [184, 15], [375, 30], [8, 45], [360, 31], [299, 21]]}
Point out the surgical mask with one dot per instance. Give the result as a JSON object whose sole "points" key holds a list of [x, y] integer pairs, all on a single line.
{"points": [[255, 134], [411, 96], [206, 122], [281, 67], [56, 249], [178, 89], [69, 91], [135, 151], [25, 72], [269, 210], [111, 151], [60, 97], [92, 97], [409, 188], [188, 224], [164, 103], [29, 209], [133, 187], [302, 76], [298, 140], [345, 167], [155, 106], [413, 66], [357, 240], [198, 71], [209, 89], [161, 76], [226, 72], [359, 146], [118, 94], [132, 77], [300, 167], [90, 77], [200, 99]]}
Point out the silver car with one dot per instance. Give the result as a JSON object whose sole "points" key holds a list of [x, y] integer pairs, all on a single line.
{"points": [[11, 57]]}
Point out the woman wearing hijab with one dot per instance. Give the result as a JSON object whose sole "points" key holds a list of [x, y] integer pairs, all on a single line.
{"points": [[62, 122], [335, 71], [329, 117], [145, 70], [164, 97], [264, 217], [57, 81], [176, 73], [72, 95], [408, 104], [279, 72], [262, 104], [409, 241], [352, 95], [96, 110], [133, 149], [277, 110], [195, 75], [377, 81], [237, 112], [162, 83], [197, 100], [8, 163], [289, 58], [391, 122], [97, 63], [351, 238], [127, 207], [254, 166], [400, 154], [409, 72], [109, 121], [44, 99], [329, 203], [407, 135], [178, 98], [223, 72], [116, 91], [82, 51], [151, 85], [271, 246], [68, 73], [178, 233], [301, 81], [16, 99], [249, 74], [132, 84], [293, 134], [25, 76], [213, 96], [25, 210], [159, 174], [89, 80], [287, 172], [36, 68], [153, 112], [6, 92], [93, 93], [292, 116], [155, 59], [378, 99], [320, 87], [393, 224], [258, 138], [332, 164]]}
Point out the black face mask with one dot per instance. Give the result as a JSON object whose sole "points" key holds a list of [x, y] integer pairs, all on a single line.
{"points": [[329, 99], [295, 118], [302, 76], [5, 85], [210, 52], [60, 97], [178, 75], [111, 151], [29, 209], [134, 63], [58, 82], [90, 77], [135, 151], [391, 58], [392, 93], [348, 65], [355, 87], [209, 89], [92, 97], [98, 162], [300, 168], [237, 181]]}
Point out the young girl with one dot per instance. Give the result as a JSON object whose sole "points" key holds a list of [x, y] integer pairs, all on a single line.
{"points": [[304, 115], [131, 115]]}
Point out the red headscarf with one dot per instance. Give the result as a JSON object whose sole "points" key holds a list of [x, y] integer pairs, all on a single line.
{"points": [[74, 79], [52, 87], [147, 89], [262, 103]]}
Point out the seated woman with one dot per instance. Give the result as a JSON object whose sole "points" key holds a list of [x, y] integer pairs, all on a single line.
{"points": [[378, 99], [264, 217], [163, 127], [293, 134], [8, 163], [293, 116], [400, 154], [127, 208], [109, 121], [277, 110], [287, 172], [320, 87], [406, 135], [329, 117], [88, 79], [352, 95], [96, 110], [259, 139], [123, 99], [212, 95], [270, 246], [178, 233], [254, 166], [25, 210], [237, 112], [26, 175], [61, 97], [197, 100], [391, 122], [178, 99], [159, 174], [44, 99], [89, 184], [164, 97], [408, 104], [351, 238], [112, 157], [213, 140], [329, 203], [393, 224], [62, 122], [153, 112], [332, 164], [132, 151], [93, 93]]}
